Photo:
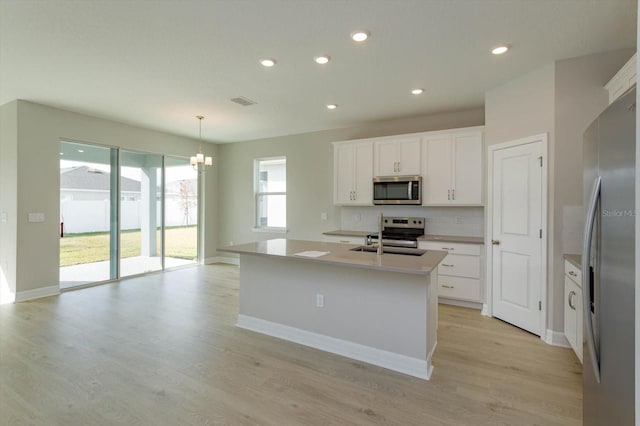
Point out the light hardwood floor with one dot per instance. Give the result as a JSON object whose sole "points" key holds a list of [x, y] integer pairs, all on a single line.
{"points": [[163, 350]]}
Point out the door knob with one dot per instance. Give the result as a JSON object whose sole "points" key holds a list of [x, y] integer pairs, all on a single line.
{"points": [[495, 242]]}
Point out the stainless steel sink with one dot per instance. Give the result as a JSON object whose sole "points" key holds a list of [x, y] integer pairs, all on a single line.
{"points": [[392, 250]]}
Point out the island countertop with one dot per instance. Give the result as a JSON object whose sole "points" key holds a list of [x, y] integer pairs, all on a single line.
{"points": [[341, 254]]}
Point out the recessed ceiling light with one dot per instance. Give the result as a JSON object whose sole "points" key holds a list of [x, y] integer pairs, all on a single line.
{"points": [[360, 35], [322, 59], [417, 91], [81, 150], [332, 106], [499, 50], [61, 153], [267, 62]]}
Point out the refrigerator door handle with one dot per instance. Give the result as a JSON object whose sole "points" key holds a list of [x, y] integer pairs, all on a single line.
{"points": [[586, 276]]}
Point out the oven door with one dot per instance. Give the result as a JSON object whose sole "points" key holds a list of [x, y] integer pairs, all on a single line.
{"points": [[397, 190]]}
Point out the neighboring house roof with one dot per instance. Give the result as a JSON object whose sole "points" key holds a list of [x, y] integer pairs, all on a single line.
{"points": [[89, 178]]}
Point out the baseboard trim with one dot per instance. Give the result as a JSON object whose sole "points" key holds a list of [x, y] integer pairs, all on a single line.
{"points": [[222, 259], [485, 310], [392, 361], [462, 303], [37, 293], [556, 338]]}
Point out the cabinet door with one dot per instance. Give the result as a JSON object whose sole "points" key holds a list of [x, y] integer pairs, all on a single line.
{"points": [[436, 182], [386, 158], [343, 173], [570, 313], [408, 156], [467, 168], [577, 303], [363, 177]]}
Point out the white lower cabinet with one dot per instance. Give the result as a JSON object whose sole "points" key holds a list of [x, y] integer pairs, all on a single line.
{"points": [[460, 273], [343, 239], [573, 307]]}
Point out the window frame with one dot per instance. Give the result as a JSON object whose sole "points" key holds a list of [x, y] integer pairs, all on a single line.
{"points": [[258, 194]]}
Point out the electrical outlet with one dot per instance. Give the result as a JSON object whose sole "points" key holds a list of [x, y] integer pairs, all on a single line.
{"points": [[230, 243], [319, 300], [323, 216], [358, 217]]}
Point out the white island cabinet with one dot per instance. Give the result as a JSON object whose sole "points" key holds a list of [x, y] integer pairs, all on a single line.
{"points": [[382, 310], [353, 173]]}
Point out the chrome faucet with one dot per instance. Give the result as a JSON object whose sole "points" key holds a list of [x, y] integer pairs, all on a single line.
{"points": [[380, 227]]}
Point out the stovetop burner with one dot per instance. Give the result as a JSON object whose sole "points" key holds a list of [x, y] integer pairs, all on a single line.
{"points": [[400, 231]]}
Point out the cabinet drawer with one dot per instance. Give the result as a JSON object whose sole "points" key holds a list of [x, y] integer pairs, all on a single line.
{"points": [[459, 288], [573, 272], [460, 266], [344, 239], [453, 248]]}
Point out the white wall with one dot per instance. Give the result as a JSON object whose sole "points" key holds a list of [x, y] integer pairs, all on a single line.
{"points": [[309, 175], [559, 99], [40, 129]]}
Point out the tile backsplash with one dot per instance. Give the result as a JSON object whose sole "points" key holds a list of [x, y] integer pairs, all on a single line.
{"points": [[463, 221]]}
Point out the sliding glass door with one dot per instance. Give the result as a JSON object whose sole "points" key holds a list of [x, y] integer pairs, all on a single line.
{"points": [[141, 193], [88, 214], [118, 217], [181, 212]]}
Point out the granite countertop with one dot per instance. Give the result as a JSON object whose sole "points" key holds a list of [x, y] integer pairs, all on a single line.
{"points": [[452, 239], [341, 255], [574, 259]]}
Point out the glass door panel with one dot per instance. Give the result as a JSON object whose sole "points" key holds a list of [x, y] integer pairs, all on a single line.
{"points": [[140, 212], [88, 214], [181, 212]]}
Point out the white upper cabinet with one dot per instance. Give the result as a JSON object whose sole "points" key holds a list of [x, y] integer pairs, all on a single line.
{"points": [[397, 156], [353, 173], [623, 80], [452, 167]]}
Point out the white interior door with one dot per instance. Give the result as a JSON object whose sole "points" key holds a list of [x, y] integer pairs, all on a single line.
{"points": [[517, 236]]}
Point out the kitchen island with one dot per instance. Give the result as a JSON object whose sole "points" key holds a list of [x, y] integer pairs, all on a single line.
{"points": [[382, 310]]}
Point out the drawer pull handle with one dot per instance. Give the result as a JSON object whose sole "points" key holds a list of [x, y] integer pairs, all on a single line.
{"points": [[570, 300], [447, 248], [573, 274], [447, 265], [447, 286]]}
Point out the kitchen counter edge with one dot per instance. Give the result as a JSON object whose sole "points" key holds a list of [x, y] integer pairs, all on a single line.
{"points": [[340, 254], [574, 259]]}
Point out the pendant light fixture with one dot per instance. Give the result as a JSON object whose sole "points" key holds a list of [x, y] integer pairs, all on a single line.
{"points": [[199, 160]]}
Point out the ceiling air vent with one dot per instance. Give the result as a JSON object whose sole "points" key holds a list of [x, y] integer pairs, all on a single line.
{"points": [[241, 100]]}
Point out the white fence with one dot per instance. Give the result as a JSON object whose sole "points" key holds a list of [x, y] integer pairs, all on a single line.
{"points": [[93, 216]]}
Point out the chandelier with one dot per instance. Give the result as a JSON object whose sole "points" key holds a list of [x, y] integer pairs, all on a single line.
{"points": [[198, 160]]}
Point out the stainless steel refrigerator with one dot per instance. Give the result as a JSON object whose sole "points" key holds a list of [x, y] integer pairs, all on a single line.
{"points": [[608, 266]]}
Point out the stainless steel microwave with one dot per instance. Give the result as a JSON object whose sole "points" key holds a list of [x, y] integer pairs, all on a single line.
{"points": [[397, 190]]}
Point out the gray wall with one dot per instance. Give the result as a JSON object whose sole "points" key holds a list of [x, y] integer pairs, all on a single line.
{"points": [[8, 198], [309, 175], [559, 99], [39, 130]]}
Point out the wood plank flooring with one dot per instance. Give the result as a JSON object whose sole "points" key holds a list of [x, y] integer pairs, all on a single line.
{"points": [[163, 350]]}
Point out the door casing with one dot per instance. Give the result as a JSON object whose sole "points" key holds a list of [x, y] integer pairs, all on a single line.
{"points": [[488, 306]]}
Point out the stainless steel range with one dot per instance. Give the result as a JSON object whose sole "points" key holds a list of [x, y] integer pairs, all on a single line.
{"points": [[399, 232]]}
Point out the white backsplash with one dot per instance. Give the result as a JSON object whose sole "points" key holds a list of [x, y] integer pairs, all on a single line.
{"points": [[462, 221]]}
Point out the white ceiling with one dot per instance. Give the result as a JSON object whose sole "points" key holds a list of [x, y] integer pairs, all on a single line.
{"points": [[158, 64]]}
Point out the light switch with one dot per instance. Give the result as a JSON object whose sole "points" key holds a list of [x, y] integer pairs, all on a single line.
{"points": [[323, 216], [36, 217], [4, 217]]}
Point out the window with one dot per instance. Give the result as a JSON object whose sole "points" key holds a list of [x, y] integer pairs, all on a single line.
{"points": [[270, 187]]}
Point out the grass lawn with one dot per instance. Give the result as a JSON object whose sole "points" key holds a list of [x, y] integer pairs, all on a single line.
{"points": [[181, 242]]}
